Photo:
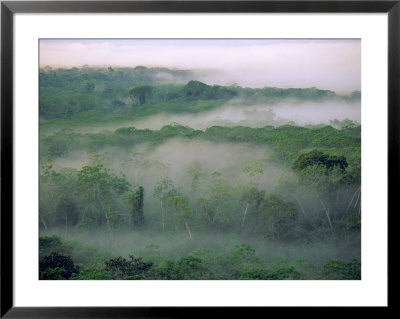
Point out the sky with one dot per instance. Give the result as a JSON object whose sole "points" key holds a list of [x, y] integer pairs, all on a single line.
{"points": [[333, 64]]}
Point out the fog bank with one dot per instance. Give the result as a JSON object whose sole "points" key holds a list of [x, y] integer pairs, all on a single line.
{"points": [[235, 113], [177, 159]]}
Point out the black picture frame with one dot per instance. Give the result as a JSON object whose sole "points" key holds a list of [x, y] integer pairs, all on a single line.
{"points": [[9, 8]]}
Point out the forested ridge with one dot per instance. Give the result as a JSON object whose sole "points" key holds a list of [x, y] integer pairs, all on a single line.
{"points": [[95, 93], [277, 201]]}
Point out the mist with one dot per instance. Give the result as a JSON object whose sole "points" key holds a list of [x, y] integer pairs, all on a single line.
{"points": [[236, 113], [150, 245], [146, 164], [199, 170]]}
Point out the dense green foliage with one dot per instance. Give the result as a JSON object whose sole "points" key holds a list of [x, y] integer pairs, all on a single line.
{"points": [[81, 93], [319, 158], [287, 141], [284, 199], [56, 266], [120, 268], [240, 263]]}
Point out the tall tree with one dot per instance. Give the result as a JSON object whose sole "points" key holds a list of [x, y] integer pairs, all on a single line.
{"points": [[253, 198], [217, 205], [325, 185], [163, 190], [279, 218], [182, 209], [137, 206], [100, 190]]}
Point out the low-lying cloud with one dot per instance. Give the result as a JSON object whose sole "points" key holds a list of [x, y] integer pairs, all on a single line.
{"points": [[301, 114], [176, 158], [235, 113]]}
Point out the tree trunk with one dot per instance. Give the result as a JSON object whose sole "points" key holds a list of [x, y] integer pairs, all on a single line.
{"points": [[300, 204], [352, 198], [44, 224], [327, 214], [190, 235], [162, 215], [84, 211], [358, 197], [245, 212], [109, 224]]}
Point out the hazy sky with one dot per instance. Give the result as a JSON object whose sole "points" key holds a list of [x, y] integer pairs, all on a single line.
{"points": [[327, 64]]}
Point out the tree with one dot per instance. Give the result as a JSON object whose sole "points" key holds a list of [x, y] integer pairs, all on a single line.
{"points": [[53, 244], [241, 258], [199, 90], [163, 190], [137, 206], [58, 197], [341, 270], [183, 211], [185, 268], [218, 204], [100, 189], [326, 179], [324, 185], [280, 218], [194, 172], [141, 94], [287, 187], [194, 89], [120, 268], [253, 198], [66, 213], [57, 266], [316, 157]]}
